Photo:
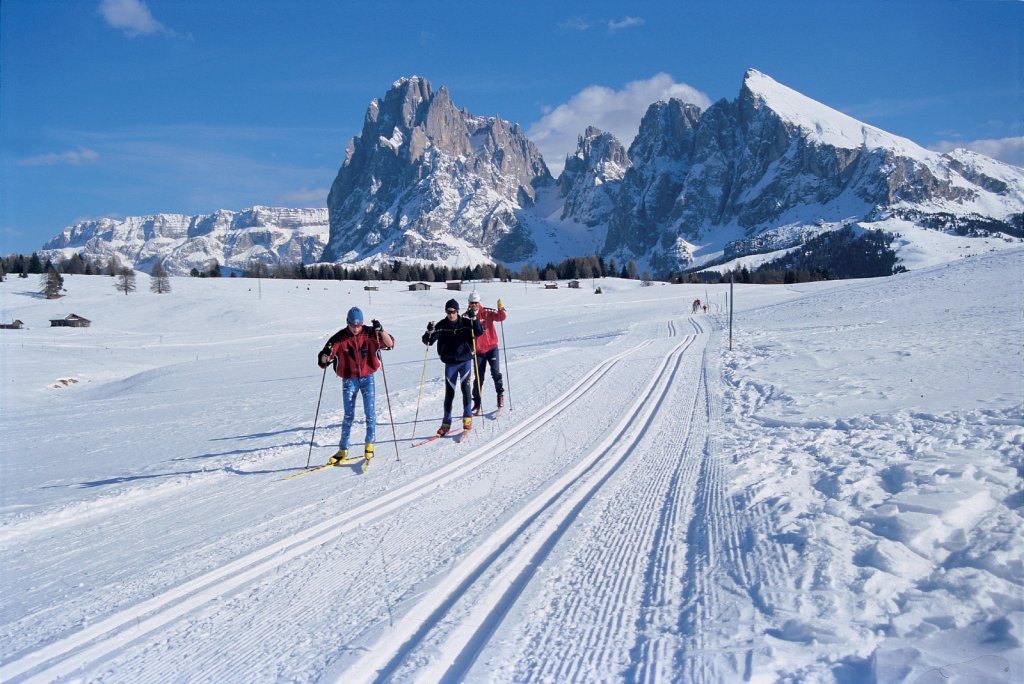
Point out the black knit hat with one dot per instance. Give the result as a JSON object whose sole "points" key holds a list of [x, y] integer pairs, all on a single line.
{"points": [[451, 304]]}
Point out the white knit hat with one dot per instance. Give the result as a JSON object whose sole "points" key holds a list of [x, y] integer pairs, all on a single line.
{"points": [[474, 297]]}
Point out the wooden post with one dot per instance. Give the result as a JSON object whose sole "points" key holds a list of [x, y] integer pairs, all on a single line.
{"points": [[732, 278]]}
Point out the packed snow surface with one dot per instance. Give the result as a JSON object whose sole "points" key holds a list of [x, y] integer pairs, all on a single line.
{"points": [[830, 493]]}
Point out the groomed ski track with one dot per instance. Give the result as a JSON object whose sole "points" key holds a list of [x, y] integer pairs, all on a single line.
{"points": [[516, 562]]}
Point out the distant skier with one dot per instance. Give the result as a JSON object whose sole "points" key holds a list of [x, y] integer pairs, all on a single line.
{"points": [[454, 335], [354, 352], [696, 306], [486, 350]]}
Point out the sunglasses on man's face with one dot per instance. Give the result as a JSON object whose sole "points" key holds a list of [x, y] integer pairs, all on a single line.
{"points": [[452, 310]]}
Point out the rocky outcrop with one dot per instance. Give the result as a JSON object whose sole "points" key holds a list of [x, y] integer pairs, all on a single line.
{"points": [[427, 181], [591, 178]]}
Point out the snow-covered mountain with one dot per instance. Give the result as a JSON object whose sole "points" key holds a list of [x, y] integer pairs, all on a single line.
{"points": [[776, 165], [427, 181], [765, 173], [234, 240]]}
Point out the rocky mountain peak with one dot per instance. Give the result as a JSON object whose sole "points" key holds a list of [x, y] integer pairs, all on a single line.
{"points": [[666, 129], [590, 180], [423, 170]]}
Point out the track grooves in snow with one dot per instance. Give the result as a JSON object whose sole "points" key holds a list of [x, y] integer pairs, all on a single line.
{"points": [[496, 581], [116, 631]]}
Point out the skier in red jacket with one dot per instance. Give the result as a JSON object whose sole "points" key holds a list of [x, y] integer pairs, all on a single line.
{"points": [[487, 350], [354, 352]]}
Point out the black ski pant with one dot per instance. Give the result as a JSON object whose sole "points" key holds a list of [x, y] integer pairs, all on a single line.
{"points": [[482, 361]]}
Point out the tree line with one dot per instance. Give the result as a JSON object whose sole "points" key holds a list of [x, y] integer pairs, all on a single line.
{"points": [[837, 255]]}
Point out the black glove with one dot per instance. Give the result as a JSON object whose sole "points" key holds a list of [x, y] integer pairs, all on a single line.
{"points": [[430, 326], [324, 359], [471, 313], [377, 327]]}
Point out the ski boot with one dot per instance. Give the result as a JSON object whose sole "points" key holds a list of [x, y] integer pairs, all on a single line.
{"points": [[501, 400], [467, 424], [338, 457], [443, 430], [368, 452]]}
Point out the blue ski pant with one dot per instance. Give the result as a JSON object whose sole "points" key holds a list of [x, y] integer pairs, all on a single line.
{"points": [[350, 387], [460, 373]]}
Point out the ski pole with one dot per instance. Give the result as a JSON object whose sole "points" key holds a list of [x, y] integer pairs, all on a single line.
{"points": [[387, 396], [316, 417], [423, 376], [504, 352]]}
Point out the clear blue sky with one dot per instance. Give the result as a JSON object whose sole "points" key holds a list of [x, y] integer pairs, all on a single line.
{"points": [[127, 107]]}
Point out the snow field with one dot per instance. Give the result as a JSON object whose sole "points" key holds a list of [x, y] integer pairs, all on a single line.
{"points": [[836, 499]]}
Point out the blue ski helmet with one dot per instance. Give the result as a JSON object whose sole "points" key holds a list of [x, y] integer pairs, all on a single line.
{"points": [[355, 316]]}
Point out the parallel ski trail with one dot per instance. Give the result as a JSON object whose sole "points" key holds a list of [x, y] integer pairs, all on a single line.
{"points": [[632, 585], [541, 523], [104, 637]]}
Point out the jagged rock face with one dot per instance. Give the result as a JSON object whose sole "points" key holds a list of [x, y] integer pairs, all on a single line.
{"points": [[660, 156], [425, 180], [591, 178], [773, 158], [180, 243]]}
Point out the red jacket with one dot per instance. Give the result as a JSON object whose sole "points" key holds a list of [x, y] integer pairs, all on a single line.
{"points": [[354, 356], [489, 340]]}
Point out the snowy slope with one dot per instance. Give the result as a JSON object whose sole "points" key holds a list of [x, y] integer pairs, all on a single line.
{"points": [[823, 124], [837, 498]]}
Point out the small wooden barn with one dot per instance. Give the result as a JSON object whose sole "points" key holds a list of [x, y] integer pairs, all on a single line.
{"points": [[70, 321], [370, 288], [419, 286], [550, 286], [453, 284], [575, 284], [14, 325]]}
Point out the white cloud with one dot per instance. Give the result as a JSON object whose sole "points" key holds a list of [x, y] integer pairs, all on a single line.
{"points": [[1009, 150], [624, 23], [574, 24], [615, 111], [77, 157], [131, 16]]}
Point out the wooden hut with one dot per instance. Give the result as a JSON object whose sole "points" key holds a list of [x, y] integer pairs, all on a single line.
{"points": [[453, 284], [14, 325], [70, 321], [550, 286], [419, 286], [575, 284]]}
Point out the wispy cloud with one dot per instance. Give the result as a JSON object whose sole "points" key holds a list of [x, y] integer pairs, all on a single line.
{"points": [[614, 111], [132, 17], [624, 23], [575, 24], [78, 157], [1009, 150], [578, 23]]}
